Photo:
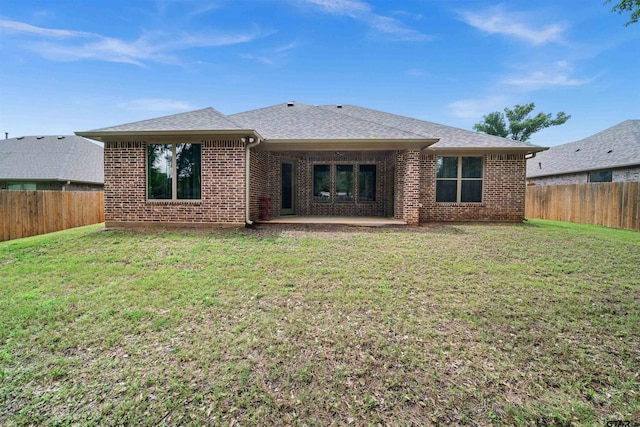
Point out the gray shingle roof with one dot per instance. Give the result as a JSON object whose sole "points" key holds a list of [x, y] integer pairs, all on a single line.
{"points": [[450, 137], [295, 121], [205, 119], [614, 147], [55, 158], [299, 122]]}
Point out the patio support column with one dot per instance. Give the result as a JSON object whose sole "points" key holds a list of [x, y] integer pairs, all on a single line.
{"points": [[411, 187]]}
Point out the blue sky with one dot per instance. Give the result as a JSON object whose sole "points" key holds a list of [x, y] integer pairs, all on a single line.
{"points": [[77, 65]]}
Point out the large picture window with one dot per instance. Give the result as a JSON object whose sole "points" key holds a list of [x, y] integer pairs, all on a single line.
{"points": [[347, 178], [459, 179], [166, 161]]}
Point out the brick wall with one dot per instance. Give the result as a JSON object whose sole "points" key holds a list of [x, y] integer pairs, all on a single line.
{"points": [[258, 177], [222, 199], [390, 180], [569, 178], [303, 165], [398, 199], [502, 195], [626, 174], [411, 187], [223, 191]]}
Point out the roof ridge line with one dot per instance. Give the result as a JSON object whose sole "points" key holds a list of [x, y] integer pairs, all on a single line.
{"points": [[327, 108], [270, 106]]}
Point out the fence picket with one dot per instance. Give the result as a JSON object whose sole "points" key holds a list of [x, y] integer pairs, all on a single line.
{"points": [[612, 204], [29, 213]]}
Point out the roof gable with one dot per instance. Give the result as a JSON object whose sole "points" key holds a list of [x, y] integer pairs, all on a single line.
{"points": [[51, 157], [614, 147], [205, 119]]}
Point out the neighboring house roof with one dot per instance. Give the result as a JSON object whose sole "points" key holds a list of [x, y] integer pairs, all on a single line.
{"points": [[51, 158], [615, 147], [295, 125]]}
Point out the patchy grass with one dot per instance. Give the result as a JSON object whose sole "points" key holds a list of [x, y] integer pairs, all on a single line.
{"points": [[534, 324]]}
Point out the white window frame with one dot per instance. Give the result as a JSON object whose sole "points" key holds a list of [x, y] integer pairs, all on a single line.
{"points": [[174, 172]]}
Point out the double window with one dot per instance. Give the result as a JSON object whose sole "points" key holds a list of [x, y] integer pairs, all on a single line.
{"points": [[174, 171], [345, 184], [459, 179]]}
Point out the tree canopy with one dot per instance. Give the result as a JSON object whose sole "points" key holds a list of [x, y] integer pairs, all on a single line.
{"points": [[632, 6], [520, 126]]}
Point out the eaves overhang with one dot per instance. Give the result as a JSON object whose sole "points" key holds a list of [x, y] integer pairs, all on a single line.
{"points": [[345, 144], [168, 135], [484, 150]]}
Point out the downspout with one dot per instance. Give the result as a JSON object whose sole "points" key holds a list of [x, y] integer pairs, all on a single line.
{"points": [[247, 157]]}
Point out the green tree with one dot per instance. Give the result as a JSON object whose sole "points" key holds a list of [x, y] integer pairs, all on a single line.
{"points": [[520, 127], [632, 6]]}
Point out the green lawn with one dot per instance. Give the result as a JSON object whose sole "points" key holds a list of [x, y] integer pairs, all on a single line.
{"points": [[528, 324]]}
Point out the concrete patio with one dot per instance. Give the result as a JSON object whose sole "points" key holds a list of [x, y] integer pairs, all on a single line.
{"points": [[343, 220]]}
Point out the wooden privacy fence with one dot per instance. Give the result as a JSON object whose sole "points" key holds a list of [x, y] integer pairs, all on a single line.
{"points": [[612, 204], [29, 213]]}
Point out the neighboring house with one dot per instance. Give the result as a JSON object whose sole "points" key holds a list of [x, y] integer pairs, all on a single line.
{"points": [[202, 167], [608, 156], [66, 163]]}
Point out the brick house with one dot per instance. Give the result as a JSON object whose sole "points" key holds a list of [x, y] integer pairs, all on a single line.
{"points": [[612, 155], [203, 168]]}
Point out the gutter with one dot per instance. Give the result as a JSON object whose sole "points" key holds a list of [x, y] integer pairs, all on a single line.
{"points": [[247, 157]]}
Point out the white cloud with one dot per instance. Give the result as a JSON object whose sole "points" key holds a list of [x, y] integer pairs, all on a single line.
{"points": [[156, 105], [261, 59], [273, 56], [287, 47], [17, 27], [497, 21], [555, 74], [476, 108], [362, 11], [70, 45]]}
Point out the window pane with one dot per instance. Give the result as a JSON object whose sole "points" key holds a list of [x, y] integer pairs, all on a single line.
{"points": [[367, 183], [159, 176], [600, 176], [447, 167], [344, 183], [321, 183], [446, 191], [22, 186], [472, 167], [188, 160], [471, 191]]}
